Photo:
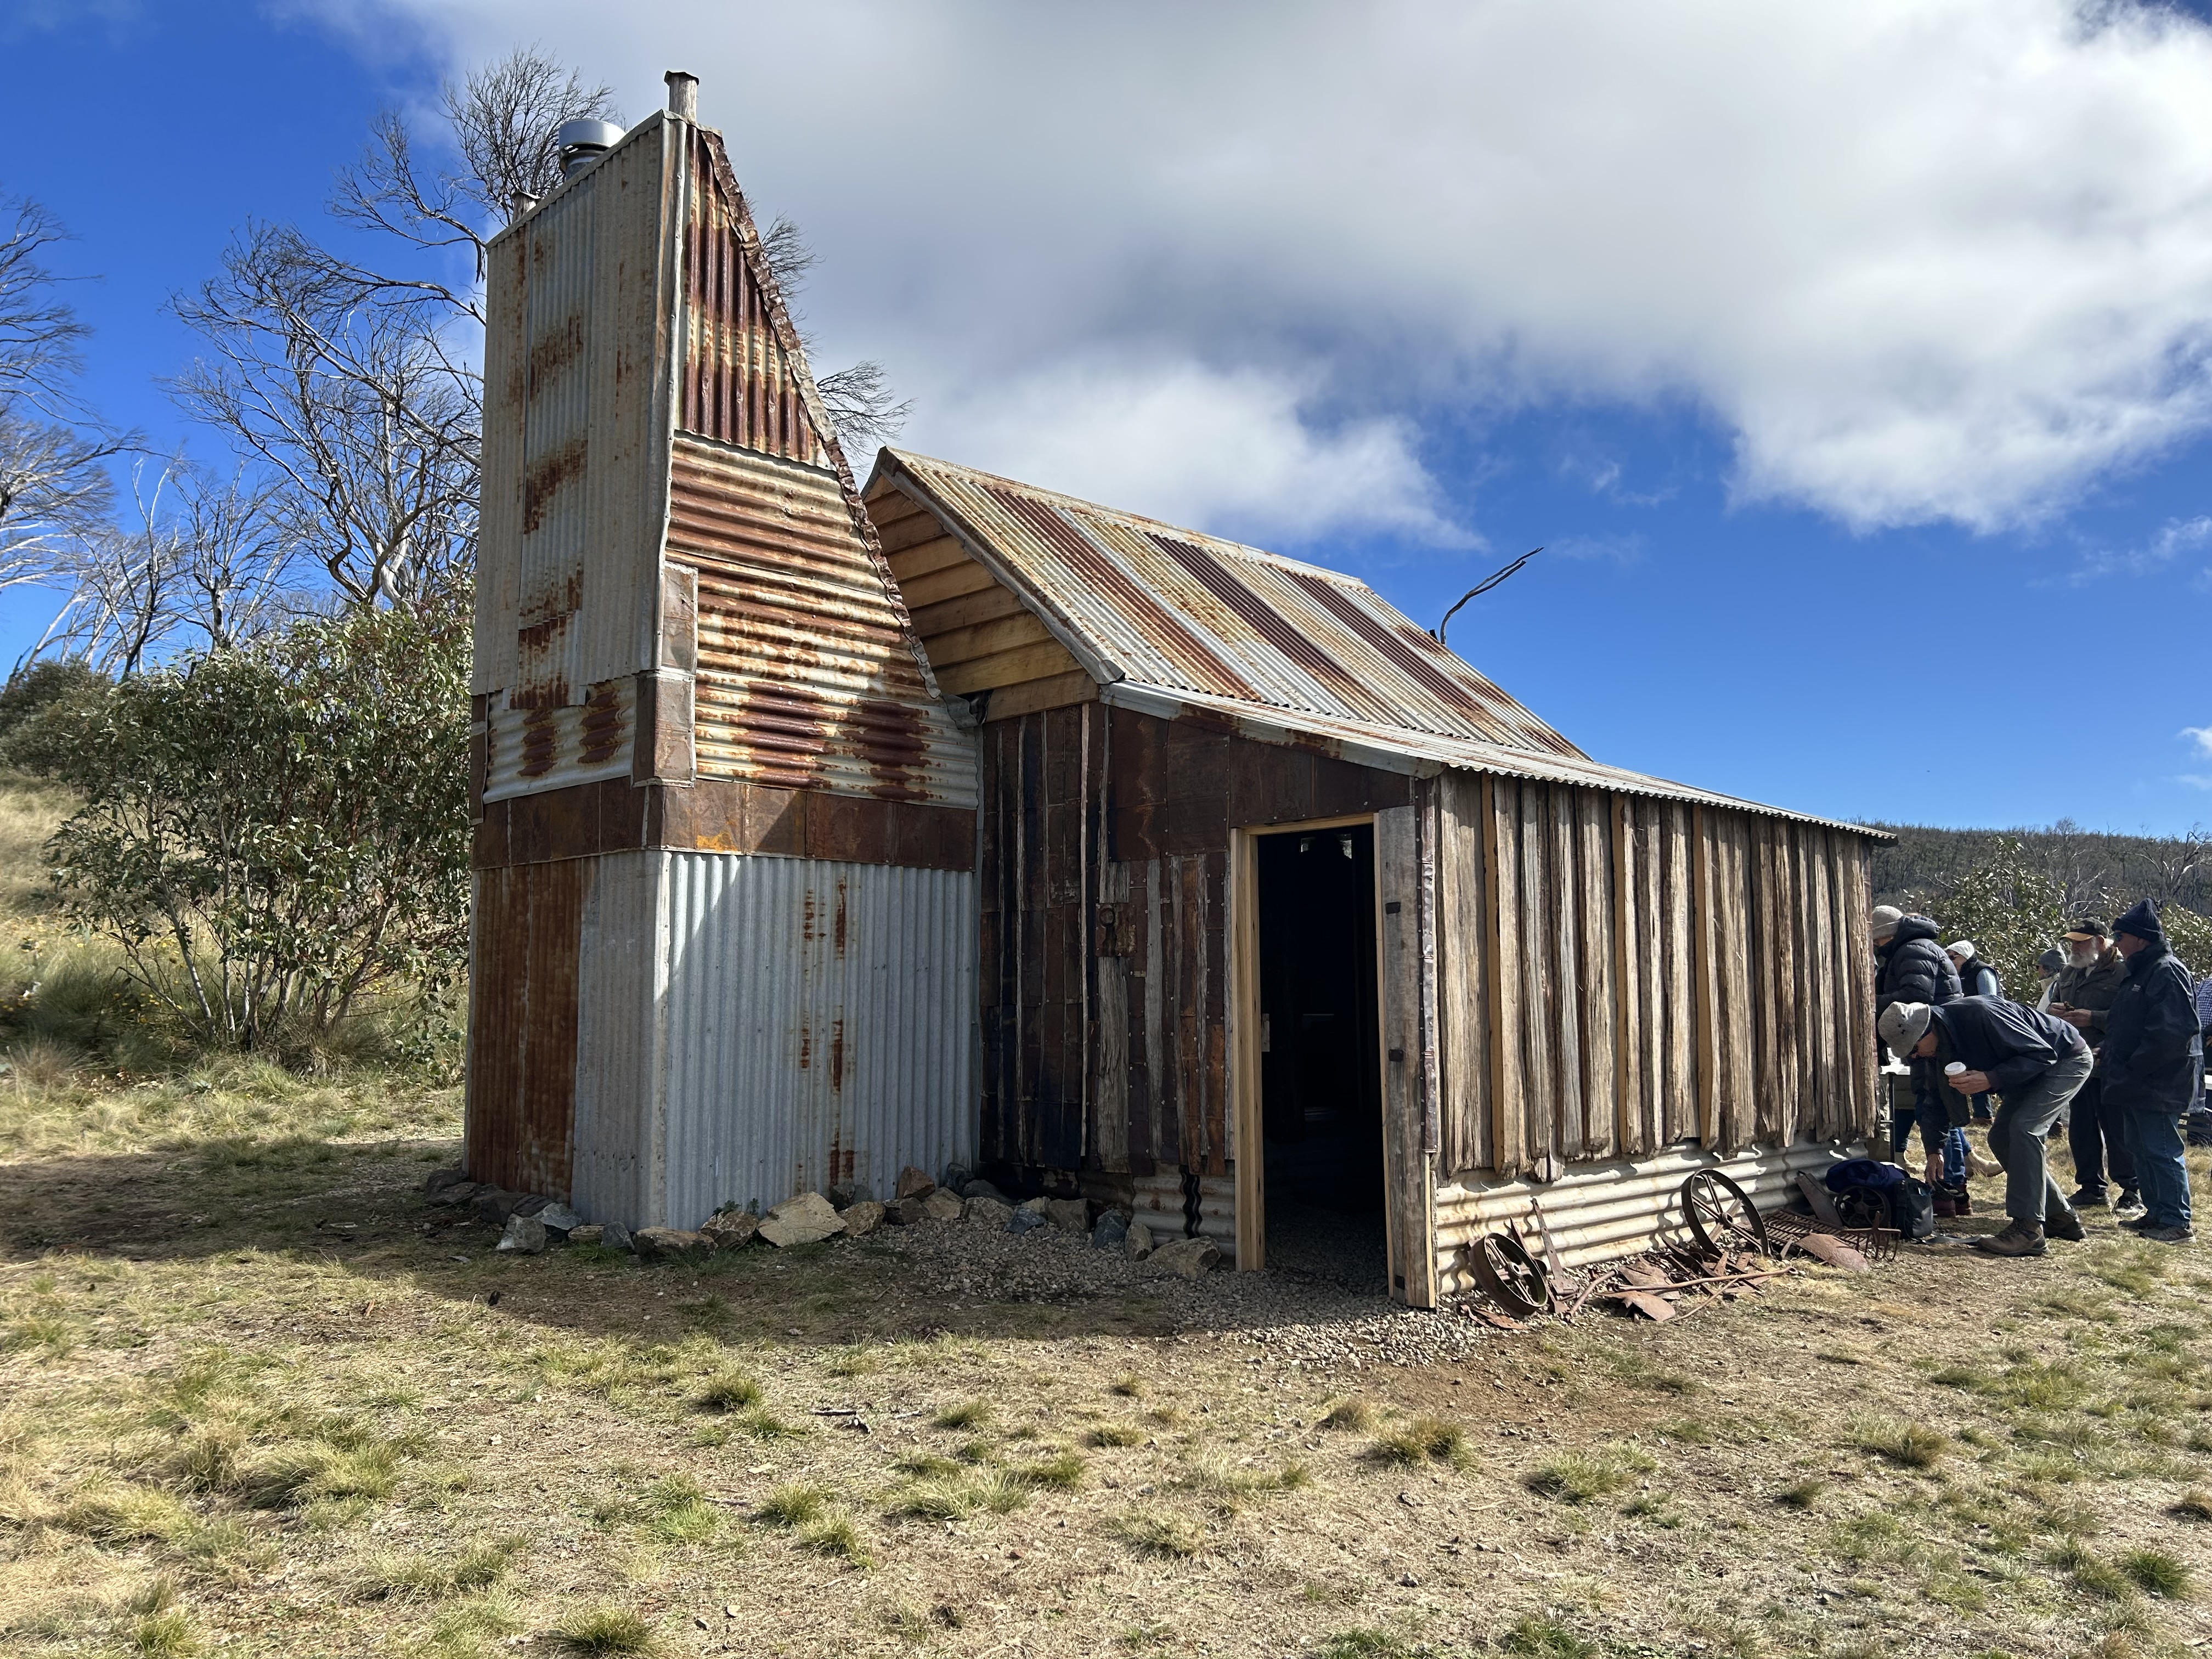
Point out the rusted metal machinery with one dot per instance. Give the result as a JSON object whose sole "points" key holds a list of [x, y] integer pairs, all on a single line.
{"points": [[1721, 1248]]}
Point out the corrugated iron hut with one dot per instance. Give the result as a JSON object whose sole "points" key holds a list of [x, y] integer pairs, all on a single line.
{"points": [[822, 834]]}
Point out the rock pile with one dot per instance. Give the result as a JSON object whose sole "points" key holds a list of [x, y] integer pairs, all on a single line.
{"points": [[531, 1221]]}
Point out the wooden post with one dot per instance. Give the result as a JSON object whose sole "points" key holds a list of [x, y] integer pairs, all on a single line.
{"points": [[1248, 1133], [1411, 1184]]}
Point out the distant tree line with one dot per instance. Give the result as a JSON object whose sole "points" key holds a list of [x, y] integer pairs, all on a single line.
{"points": [[2014, 892]]}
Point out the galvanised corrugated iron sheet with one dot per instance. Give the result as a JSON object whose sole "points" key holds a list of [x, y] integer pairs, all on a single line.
{"points": [[581, 299], [820, 1026], [1395, 749], [1140, 600], [738, 382], [527, 750], [557, 307], [807, 678]]}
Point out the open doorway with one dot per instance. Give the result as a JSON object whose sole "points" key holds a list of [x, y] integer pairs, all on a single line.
{"points": [[1321, 1076]]}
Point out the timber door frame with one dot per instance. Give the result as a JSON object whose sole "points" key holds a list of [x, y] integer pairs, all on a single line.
{"points": [[1246, 1113]]}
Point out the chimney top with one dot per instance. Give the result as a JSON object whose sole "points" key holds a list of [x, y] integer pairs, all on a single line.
{"points": [[682, 94]]}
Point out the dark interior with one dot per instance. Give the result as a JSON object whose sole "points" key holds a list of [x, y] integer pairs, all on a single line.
{"points": [[1321, 1075]]}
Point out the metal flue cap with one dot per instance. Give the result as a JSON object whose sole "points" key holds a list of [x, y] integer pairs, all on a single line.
{"points": [[584, 142]]}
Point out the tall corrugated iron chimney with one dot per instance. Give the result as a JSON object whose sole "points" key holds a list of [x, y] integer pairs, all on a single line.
{"points": [[582, 142], [682, 94]]}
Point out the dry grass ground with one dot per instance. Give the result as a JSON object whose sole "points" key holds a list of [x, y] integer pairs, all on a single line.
{"points": [[256, 1398]]}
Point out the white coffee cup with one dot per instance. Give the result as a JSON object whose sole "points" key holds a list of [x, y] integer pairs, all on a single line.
{"points": [[1954, 1068]]}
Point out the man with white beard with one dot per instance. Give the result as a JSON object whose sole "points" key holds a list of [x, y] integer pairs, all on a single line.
{"points": [[2082, 995]]}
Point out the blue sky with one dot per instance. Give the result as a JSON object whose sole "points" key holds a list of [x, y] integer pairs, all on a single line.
{"points": [[1855, 376]]}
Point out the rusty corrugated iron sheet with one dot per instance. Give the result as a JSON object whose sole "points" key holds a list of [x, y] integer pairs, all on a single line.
{"points": [[806, 676], [738, 382], [530, 750], [526, 927], [1140, 600], [1397, 749]]}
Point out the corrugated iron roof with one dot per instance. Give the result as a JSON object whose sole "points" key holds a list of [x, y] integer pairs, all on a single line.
{"points": [[1393, 749], [1137, 599], [1169, 620]]}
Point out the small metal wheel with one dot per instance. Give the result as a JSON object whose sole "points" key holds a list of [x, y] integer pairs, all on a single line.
{"points": [[1863, 1207], [1721, 1215], [1514, 1279]]}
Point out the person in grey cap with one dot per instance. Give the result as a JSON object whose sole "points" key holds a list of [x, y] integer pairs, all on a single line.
{"points": [[2038, 1064], [2083, 994], [2047, 967]]}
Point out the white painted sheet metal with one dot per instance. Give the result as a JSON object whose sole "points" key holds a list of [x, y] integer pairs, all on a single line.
{"points": [[814, 1022], [1605, 1211], [527, 750]]}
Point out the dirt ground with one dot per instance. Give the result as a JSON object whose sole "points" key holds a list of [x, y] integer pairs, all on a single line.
{"points": [[257, 1397]]}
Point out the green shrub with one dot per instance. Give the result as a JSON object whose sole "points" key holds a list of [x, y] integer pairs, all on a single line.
{"points": [[277, 833]]}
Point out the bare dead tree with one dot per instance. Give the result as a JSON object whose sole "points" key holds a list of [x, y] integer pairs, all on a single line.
{"points": [[346, 388], [2178, 862], [505, 119], [123, 582], [858, 400], [53, 483]]}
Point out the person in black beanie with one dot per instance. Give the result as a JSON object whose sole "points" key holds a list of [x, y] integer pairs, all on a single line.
{"points": [[2152, 1063]]}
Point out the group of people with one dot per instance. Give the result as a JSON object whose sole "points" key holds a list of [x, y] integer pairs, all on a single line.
{"points": [[2113, 1046]]}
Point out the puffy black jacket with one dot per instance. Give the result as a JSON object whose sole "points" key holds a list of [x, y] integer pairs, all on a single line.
{"points": [[2153, 1059], [2010, 1042], [1914, 967], [1979, 979]]}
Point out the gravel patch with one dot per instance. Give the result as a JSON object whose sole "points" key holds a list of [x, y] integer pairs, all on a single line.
{"points": [[1301, 1314]]}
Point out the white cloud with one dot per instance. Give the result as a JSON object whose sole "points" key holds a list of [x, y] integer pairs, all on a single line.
{"points": [[1233, 451], [1927, 259], [2176, 538], [2202, 736]]}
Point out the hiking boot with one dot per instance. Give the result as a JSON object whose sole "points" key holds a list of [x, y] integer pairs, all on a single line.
{"points": [[1983, 1167], [2137, 1223], [2128, 1203], [2169, 1234], [2066, 1226], [2020, 1238], [1946, 1204], [2088, 1198], [1960, 1204]]}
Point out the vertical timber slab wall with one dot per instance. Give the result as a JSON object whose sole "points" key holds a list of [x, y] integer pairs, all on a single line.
{"points": [[1105, 949], [1621, 975]]}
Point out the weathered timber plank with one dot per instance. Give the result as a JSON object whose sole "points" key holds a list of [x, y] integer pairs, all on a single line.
{"points": [[1029, 662], [1600, 982], [959, 645], [1411, 1191], [1502, 885], [949, 583], [965, 610]]}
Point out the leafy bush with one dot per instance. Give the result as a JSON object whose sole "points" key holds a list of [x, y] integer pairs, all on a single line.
{"points": [[276, 834]]}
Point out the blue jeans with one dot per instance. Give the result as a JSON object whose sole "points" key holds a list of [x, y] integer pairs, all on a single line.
{"points": [[1936, 1136], [2154, 1137]]}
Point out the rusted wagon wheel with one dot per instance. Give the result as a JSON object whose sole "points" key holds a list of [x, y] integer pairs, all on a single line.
{"points": [[1514, 1279], [1721, 1215]]}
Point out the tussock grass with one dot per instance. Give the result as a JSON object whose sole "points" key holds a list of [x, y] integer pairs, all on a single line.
{"points": [[728, 1390], [2091, 1574], [1802, 1494], [967, 1414], [1117, 1434], [2157, 1573], [1423, 1440], [118, 1512], [836, 1535], [606, 1632], [1533, 1636], [1129, 1387], [1909, 1445], [792, 1505], [433, 1577], [1365, 1642], [1156, 1534], [166, 1635], [1230, 1486], [1578, 1477], [1356, 1415], [2195, 1504]]}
